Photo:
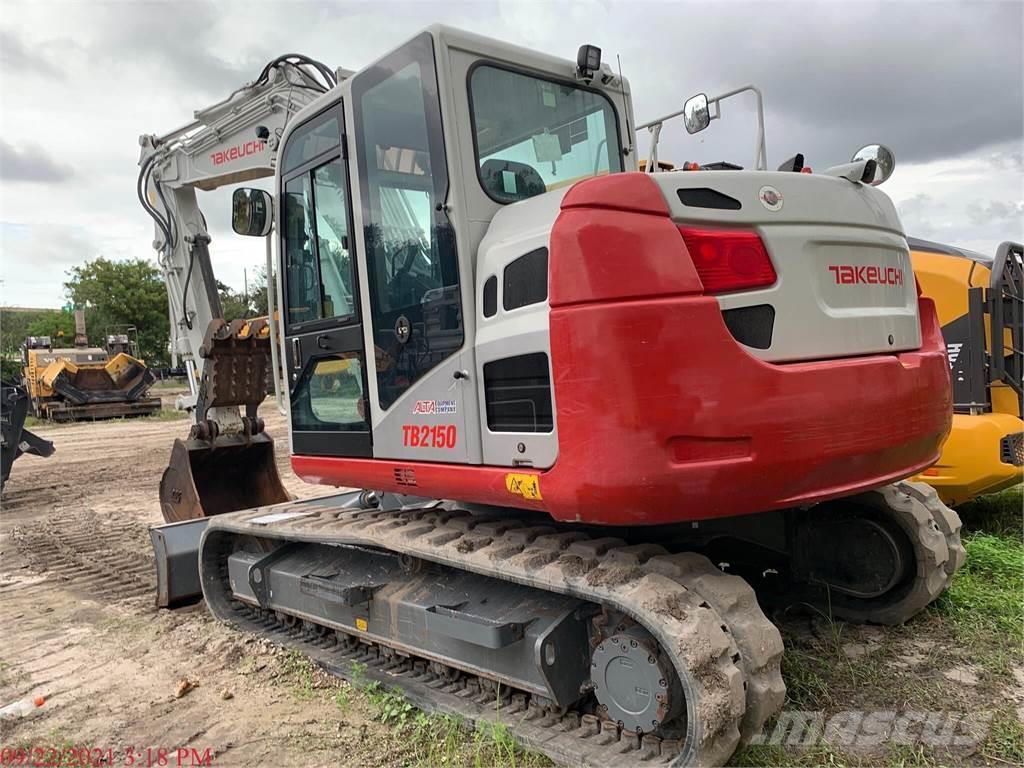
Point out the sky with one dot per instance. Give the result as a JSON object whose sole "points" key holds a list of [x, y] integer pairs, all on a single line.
{"points": [[940, 83]]}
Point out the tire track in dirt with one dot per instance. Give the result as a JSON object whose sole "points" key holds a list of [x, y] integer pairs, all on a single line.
{"points": [[101, 557]]}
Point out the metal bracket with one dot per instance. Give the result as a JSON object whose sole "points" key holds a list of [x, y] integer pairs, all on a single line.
{"points": [[330, 591], [486, 633], [259, 573]]}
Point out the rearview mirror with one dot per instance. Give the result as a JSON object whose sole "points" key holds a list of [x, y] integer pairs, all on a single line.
{"points": [[885, 161], [695, 113], [252, 212]]}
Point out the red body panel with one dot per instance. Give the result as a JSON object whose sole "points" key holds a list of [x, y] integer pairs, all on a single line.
{"points": [[662, 416]]}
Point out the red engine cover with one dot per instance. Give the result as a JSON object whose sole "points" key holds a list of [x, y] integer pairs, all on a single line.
{"points": [[662, 416]]}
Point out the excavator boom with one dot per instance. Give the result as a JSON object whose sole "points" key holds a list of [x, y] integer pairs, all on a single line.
{"points": [[227, 461]]}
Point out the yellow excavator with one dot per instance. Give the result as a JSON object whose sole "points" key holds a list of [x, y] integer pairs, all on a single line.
{"points": [[979, 301]]}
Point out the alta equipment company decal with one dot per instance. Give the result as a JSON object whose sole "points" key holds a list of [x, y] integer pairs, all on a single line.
{"points": [[431, 407]]}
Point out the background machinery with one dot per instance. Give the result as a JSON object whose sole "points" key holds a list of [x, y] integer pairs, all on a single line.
{"points": [[590, 408], [980, 303], [15, 440], [83, 382]]}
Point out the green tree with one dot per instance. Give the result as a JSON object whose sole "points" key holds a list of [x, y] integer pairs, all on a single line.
{"points": [[258, 293], [235, 306], [123, 293], [57, 324], [14, 327]]}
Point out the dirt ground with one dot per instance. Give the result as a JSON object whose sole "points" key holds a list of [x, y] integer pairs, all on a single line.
{"points": [[80, 629]]}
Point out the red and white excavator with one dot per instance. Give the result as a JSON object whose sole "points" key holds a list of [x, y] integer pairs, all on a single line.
{"points": [[590, 409]]}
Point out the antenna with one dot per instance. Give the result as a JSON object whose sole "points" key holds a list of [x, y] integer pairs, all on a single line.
{"points": [[625, 109]]}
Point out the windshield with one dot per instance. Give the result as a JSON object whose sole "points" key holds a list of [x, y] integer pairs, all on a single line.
{"points": [[535, 135]]}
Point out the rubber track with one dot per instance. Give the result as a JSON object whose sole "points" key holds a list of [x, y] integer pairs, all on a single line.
{"points": [[945, 517], [934, 530], [727, 654]]}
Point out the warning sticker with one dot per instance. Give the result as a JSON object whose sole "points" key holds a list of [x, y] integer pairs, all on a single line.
{"points": [[527, 486]]}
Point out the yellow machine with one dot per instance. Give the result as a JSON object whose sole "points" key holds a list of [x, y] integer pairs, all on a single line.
{"points": [[979, 300], [83, 382]]}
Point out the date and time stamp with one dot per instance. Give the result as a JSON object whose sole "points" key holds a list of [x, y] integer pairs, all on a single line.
{"points": [[66, 756]]}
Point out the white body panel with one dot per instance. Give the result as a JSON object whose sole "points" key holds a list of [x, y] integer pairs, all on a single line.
{"points": [[824, 222]]}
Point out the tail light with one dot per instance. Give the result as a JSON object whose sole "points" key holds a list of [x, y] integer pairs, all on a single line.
{"points": [[727, 260]]}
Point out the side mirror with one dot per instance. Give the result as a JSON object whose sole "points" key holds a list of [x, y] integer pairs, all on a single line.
{"points": [[885, 161], [252, 212], [695, 113]]}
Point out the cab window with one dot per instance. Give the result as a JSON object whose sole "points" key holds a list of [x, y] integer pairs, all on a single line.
{"points": [[318, 259], [410, 244], [533, 134]]}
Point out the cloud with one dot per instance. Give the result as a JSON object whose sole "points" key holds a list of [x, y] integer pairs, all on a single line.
{"points": [[940, 83], [17, 56], [984, 213], [961, 201], [36, 258], [174, 43], [31, 163]]}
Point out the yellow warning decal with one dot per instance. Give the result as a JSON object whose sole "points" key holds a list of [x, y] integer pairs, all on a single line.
{"points": [[527, 486], [361, 625]]}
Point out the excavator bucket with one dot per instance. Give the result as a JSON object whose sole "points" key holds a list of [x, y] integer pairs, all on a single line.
{"points": [[206, 478]]}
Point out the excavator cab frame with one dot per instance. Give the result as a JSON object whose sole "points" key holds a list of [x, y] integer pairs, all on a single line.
{"points": [[399, 150]]}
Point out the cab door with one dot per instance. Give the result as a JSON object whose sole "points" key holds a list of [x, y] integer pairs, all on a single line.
{"points": [[422, 393], [324, 350]]}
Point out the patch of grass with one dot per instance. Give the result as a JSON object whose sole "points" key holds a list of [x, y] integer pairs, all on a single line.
{"points": [[358, 673], [342, 698], [392, 707], [299, 670], [984, 600], [779, 757], [443, 740], [1005, 740], [910, 756], [170, 384], [807, 675], [438, 740], [1001, 514]]}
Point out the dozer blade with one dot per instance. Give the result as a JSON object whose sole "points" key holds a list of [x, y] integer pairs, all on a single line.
{"points": [[206, 478]]}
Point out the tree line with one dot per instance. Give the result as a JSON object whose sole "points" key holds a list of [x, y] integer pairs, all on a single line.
{"points": [[116, 294]]}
